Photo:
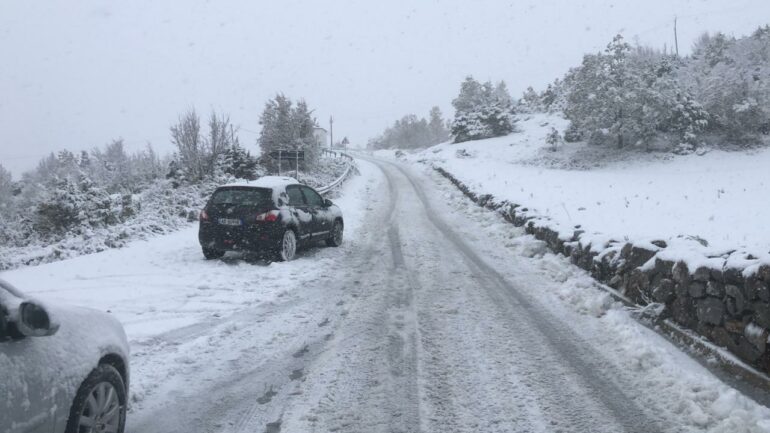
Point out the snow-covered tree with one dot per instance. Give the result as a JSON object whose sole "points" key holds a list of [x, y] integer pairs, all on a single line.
{"points": [[553, 139], [630, 98], [437, 126], [730, 78], [482, 111], [530, 101], [6, 190], [288, 127], [238, 162], [186, 136], [220, 139]]}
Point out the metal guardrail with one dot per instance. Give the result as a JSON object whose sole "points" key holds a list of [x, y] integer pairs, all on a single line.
{"points": [[336, 154], [348, 171]]}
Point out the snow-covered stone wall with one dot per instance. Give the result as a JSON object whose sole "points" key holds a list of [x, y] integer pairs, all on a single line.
{"points": [[724, 298]]}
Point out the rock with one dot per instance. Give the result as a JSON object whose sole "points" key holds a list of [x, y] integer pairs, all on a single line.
{"points": [[734, 326], [761, 314], [697, 289], [740, 301], [733, 276], [625, 251], [680, 273], [638, 283], [746, 350], [603, 268], [680, 290], [717, 275], [655, 278], [764, 273], [683, 312], [763, 293], [574, 256], [749, 285], [638, 256], [659, 243], [722, 337], [757, 336], [757, 289], [732, 308], [616, 281], [664, 267], [704, 329], [715, 288], [586, 259], [702, 274], [576, 234], [664, 292], [711, 311]]}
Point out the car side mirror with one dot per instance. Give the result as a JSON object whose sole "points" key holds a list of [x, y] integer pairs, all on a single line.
{"points": [[34, 321], [327, 203]]}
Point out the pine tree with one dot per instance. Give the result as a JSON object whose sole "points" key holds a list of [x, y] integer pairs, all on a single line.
{"points": [[286, 127], [553, 139], [482, 111], [437, 126]]}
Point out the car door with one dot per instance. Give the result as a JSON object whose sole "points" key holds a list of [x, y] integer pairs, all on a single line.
{"points": [[26, 375], [300, 212], [315, 203]]}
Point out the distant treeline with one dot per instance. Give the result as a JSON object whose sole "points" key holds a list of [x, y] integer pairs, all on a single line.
{"points": [[637, 97], [411, 132], [627, 97], [75, 193]]}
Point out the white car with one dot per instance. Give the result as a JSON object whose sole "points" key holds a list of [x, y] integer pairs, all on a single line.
{"points": [[62, 369]]}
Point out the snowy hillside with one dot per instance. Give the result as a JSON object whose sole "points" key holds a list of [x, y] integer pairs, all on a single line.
{"points": [[716, 198]]}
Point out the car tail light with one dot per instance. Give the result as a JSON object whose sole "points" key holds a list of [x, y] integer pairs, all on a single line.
{"points": [[203, 216], [268, 217]]}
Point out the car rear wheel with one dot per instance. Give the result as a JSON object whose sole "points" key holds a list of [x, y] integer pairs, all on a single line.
{"points": [[100, 404], [211, 254], [335, 237], [288, 246]]}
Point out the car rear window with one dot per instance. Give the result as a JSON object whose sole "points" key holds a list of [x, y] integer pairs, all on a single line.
{"points": [[242, 196]]}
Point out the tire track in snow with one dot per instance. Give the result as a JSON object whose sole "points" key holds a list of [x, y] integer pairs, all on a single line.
{"points": [[580, 368]]}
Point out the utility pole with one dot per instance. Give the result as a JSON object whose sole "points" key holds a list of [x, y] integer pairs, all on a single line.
{"points": [[676, 39], [331, 132]]}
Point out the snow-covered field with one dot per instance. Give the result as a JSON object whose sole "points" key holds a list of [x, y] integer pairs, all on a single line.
{"points": [[718, 196]]}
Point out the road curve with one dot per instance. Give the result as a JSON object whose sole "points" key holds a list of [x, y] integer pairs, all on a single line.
{"points": [[410, 331], [447, 344]]}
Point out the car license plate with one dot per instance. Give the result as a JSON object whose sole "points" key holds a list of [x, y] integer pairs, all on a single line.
{"points": [[229, 222]]}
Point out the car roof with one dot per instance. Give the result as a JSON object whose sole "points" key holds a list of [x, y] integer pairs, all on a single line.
{"points": [[271, 182]]}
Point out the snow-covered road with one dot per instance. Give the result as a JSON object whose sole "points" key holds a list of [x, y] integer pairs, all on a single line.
{"points": [[434, 316]]}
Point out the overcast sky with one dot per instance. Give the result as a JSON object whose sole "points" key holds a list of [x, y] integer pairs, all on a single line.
{"points": [[76, 74]]}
